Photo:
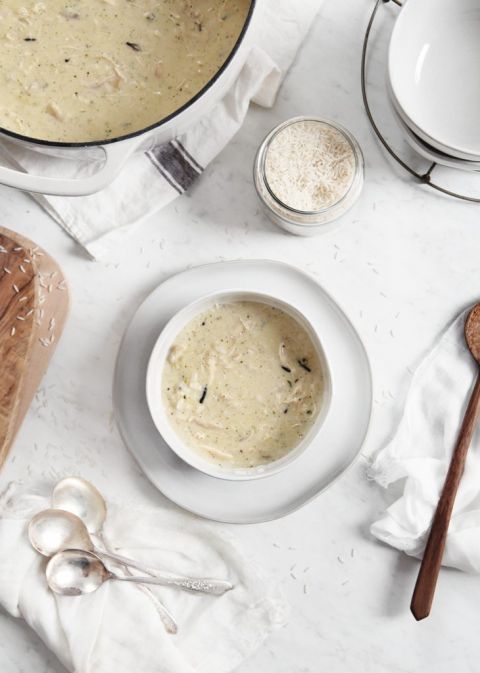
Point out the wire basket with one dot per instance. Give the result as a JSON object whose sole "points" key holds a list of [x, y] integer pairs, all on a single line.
{"points": [[425, 177]]}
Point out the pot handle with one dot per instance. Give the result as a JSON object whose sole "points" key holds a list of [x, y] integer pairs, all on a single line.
{"points": [[116, 156]]}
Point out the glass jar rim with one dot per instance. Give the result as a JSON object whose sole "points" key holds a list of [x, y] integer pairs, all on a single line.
{"points": [[263, 151]]}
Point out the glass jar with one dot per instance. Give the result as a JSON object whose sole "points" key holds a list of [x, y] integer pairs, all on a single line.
{"points": [[308, 222]]}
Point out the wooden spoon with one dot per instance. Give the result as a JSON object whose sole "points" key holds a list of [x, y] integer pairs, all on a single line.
{"points": [[432, 558]]}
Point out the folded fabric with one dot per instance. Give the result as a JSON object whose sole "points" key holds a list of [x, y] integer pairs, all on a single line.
{"points": [[420, 452], [117, 628], [151, 180]]}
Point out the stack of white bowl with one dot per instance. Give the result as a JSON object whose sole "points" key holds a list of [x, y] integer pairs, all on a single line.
{"points": [[434, 79]]}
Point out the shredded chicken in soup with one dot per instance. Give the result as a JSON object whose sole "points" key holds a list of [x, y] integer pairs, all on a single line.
{"points": [[243, 384]]}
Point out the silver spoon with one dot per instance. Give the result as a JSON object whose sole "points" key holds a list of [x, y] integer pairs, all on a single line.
{"points": [[55, 530], [74, 572], [78, 496]]}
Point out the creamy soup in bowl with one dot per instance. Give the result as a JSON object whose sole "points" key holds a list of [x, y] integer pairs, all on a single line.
{"points": [[238, 385], [77, 71]]}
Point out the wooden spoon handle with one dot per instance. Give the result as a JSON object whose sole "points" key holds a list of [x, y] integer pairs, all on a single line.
{"points": [[432, 558]]}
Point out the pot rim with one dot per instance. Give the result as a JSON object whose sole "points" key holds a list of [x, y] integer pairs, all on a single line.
{"points": [[164, 120]]}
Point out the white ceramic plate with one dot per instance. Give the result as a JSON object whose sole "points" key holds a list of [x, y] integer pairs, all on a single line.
{"points": [[431, 153], [434, 66], [340, 437]]}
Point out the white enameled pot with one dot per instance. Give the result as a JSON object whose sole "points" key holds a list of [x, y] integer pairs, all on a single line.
{"points": [[112, 155]]}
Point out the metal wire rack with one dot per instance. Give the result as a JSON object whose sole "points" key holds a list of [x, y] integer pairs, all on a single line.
{"points": [[426, 177]]}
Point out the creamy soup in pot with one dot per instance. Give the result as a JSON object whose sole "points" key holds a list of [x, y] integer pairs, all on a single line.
{"points": [[242, 384], [90, 70]]}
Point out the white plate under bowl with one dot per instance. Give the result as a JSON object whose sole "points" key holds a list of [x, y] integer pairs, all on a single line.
{"points": [[339, 440], [433, 68], [431, 153]]}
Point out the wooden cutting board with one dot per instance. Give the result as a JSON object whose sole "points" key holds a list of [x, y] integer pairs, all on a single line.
{"points": [[33, 310]]}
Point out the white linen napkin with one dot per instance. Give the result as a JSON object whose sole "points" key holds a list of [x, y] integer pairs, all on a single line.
{"points": [[149, 181], [420, 453], [117, 628]]}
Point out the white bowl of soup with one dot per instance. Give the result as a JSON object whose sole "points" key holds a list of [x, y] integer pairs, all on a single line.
{"points": [[109, 78], [238, 385]]}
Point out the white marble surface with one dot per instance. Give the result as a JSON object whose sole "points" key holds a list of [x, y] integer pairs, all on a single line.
{"points": [[403, 264]]}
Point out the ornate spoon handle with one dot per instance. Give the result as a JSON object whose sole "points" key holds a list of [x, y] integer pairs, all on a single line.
{"points": [[202, 584], [167, 619]]}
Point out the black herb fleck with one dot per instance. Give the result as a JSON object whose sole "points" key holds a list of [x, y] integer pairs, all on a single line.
{"points": [[286, 369], [285, 411], [134, 46], [29, 39], [203, 396], [304, 364]]}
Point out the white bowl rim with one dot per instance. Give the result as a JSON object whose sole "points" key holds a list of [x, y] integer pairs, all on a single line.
{"points": [[434, 145], [427, 151], [447, 147], [154, 391]]}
